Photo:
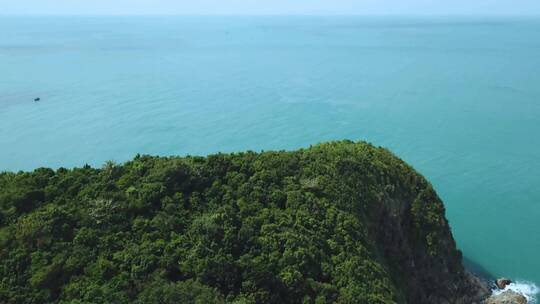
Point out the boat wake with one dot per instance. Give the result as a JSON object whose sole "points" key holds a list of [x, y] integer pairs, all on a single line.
{"points": [[529, 290]]}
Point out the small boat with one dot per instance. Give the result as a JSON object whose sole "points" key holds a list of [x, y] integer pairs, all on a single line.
{"points": [[37, 99]]}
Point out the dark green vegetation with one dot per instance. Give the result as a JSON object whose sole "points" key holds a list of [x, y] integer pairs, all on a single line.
{"points": [[339, 222]]}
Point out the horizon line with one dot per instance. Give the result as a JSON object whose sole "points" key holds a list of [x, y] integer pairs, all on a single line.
{"points": [[275, 15]]}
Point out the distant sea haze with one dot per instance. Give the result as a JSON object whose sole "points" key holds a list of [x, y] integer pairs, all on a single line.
{"points": [[458, 98]]}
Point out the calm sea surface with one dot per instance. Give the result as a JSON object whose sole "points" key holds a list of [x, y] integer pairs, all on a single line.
{"points": [[458, 98]]}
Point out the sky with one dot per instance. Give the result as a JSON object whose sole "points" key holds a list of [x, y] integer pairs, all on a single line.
{"points": [[271, 7]]}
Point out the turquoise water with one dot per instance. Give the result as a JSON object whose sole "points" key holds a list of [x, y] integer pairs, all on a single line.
{"points": [[458, 98]]}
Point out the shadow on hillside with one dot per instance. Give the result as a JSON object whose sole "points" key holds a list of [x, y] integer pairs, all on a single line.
{"points": [[477, 269]]}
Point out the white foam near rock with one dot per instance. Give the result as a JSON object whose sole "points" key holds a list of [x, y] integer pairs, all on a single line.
{"points": [[528, 290]]}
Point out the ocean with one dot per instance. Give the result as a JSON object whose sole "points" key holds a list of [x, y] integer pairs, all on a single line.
{"points": [[456, 97]]}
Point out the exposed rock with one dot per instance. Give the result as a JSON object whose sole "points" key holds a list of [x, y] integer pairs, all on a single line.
{"points": [[479, 289], [502, 282], [507, 297]]}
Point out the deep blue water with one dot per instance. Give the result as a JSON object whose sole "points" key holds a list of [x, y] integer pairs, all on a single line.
{"points": [[458, 98]]}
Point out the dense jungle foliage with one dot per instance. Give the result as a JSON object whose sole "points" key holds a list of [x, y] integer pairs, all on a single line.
{"points": [[271, 227]]}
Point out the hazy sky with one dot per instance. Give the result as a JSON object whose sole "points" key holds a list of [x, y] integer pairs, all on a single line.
{"points": [[243, 7]]}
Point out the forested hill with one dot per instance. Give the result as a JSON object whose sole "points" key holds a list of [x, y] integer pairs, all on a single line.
{"points": [[339, 222]]}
